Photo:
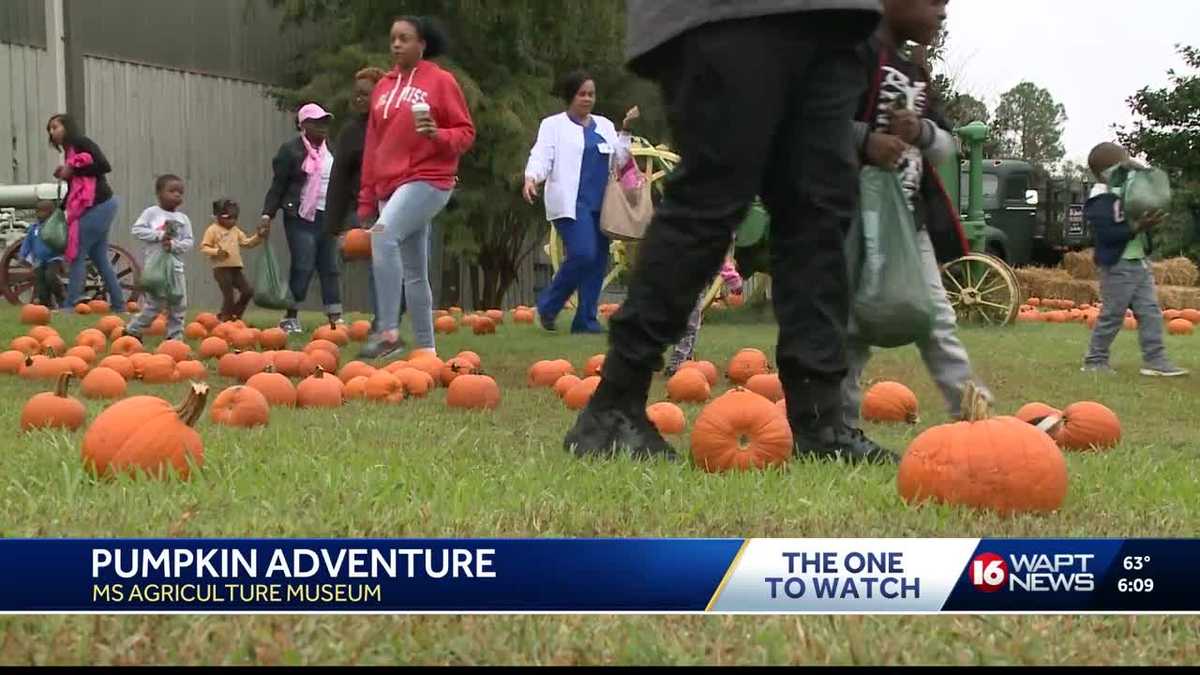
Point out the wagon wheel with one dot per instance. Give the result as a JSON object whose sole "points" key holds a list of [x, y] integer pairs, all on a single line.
{"points": [[983, 289], [17, 281], [656, 162]]}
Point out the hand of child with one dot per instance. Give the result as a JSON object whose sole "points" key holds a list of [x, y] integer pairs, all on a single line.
{"points": [[1150, 220], [907, 125], [166, 243], [884, 150], [221, 254]]}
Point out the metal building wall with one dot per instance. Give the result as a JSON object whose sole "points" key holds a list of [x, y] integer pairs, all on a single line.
{"points": [[23, 22], [26, 99]]}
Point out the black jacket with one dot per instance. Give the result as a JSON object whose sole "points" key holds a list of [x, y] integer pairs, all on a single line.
{"points": [[98, 169], [341, 199], [1112, 233], [289, 179]]}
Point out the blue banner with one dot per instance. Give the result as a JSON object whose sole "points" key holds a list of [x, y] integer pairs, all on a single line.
{"points": [[777, 576]]}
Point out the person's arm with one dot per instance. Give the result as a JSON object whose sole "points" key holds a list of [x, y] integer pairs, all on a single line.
{"points": [[281, 167], [368, 203], [183, 241], [208, 245], [541, 157], [249, 241], [338, 196], [937, 139], [99, 165], [144, 230], [456, 131], [1105, 215]]}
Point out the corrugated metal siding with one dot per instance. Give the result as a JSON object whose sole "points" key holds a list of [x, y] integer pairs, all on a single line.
{"points": [[218, 134], [26, 98], [23, 22]]}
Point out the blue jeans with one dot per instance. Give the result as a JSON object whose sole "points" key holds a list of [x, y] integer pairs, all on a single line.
{"points": [[93, 244], [583, 271], [312, 251], [372, 298], [400, 255]]}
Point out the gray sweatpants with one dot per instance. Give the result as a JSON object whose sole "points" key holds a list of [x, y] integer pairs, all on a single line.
{"points": [[152, 307], [944, 354], [1129, 284]]}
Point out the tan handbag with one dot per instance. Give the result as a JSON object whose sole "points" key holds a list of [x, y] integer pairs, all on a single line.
{"points": [[625, 214]]}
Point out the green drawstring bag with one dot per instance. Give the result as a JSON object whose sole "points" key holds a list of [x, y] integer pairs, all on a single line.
{"points": [[1145, 191], [891, 303], [54, 231], [270, 290], [158, 280]]}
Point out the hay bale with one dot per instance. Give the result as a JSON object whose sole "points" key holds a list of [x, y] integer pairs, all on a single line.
{"points": [[1080, 265], [1175, 272], [1179, 297], [1039, 282]]}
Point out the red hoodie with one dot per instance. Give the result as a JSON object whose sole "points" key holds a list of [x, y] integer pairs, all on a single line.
{"points": [[394, 153]]}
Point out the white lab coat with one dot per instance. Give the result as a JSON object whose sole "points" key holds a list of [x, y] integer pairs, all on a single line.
{"points": [[557, 157]]}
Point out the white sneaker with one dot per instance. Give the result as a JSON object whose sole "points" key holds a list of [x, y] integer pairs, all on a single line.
{"points": [[1163, 371]]}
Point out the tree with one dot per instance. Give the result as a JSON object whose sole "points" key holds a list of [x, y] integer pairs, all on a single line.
{"points": [[1166, 131], [1029, 125], [506, 56]]}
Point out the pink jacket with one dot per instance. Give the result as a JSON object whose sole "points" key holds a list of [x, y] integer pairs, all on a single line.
{"points": [[729, 274], [80, 199]]}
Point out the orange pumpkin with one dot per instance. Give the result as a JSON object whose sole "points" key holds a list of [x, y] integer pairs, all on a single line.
{"points": [[195, 331], [577, 397], [121, 364], [524, 316], [1001, 464], [243, 338], [190, 370], [91, 337], [746, 364], [176, 349], [1180, 327], [356, 388], [240, 406], [453, 368], [416, 382], [319, 357], [288, 363], [26, 345], [12, 361], [1029, 317], [35, 314], [125, 346], [158, 326], [83, 352], [1034, 413], [475, 391], [1192, 315], [1088, 425], [667, 417], [688, 386], [319, 390], [213, 348], [890, 402], [428, 363], [39, 367], [354, 369], [445, 325], [766, 385], [546, 373], [147, 434], [276, 388], [83, 308], [594, 365], [738, 431], [208, 320], [707, 367], [158, 369], [1172, 314], [53, 410], [99, 306], [483, 326], [132, 307], [75, 365], [472, 357], [249, 364], [333, 333], [53, 345], [456, 311], [40, 333], [106, 324], [384, 387], [322, 344], [356, 244], [563, 384], [360, 331], [496, 315], [103, 383]]}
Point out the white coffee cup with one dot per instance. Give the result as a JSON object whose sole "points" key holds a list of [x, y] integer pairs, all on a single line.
{"points": [[420, 112]]}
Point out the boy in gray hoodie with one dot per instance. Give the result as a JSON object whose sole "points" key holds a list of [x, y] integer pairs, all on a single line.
{"points": [[165, 231]]}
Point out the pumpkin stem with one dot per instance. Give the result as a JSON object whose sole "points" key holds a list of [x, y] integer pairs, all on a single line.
{"points": [[319, 372], [190, 410], [50, 352], [975, 406], [270, 368], [60, 389], [28, 360]]}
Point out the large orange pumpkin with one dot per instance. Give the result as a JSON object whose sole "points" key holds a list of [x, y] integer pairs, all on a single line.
{"points": [[356, 388], [890, 402], [354, 369], [319, 357], [323, 344], [472, 357], [195, 331], [83, 352], [249, 364], [688, 386], [496, 315], [106, 324], [240, 406], [483, 326], [121, 364], [427, 362], [273, 338], [384, 387], [319, 390], [746, 364], [453, 368], [1088, 425], [334, 333], [213, 348], [289, 363], [12, 361], [740, 430], [158, 326], [707, 367], [416, 382], [1000, 464], [75, 365], [277, 389], [667, 417], [158, 369], [445, 325], [1180, 327], [190, 370], [478, 392], [91, 337], [54, 345], [26, 345], [360, 331], [53, 409], [103, 383], [524, 316], [39, 367], [546, 373], [147, 434], [243, 338], [176, 349], [1192, 315], [563, 384], [577, 397], [766, 385], [35, 314], [208, 320], [356, 244], [125, 346]]}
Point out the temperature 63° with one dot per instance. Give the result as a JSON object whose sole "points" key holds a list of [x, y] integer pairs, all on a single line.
{"points": [[1135, 562]]}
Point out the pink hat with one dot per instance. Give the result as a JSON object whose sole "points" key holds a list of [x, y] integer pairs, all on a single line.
{"points": [[311, 111]]}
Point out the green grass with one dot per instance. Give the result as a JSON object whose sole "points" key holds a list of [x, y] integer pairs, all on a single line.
{"points": [[420, 469]]}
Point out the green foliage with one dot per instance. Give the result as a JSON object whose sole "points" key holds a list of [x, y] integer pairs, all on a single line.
{"points": [[1029, 125]]}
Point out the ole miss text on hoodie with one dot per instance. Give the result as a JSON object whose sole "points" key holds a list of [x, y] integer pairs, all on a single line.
{"points": [[394, 153]]}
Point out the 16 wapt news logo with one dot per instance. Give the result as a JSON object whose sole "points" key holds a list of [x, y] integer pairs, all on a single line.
{"points": [[1033, 572]]}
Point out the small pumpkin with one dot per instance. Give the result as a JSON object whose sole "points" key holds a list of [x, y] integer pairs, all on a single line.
{"points": [[83, 308], [323, 344], [384, 387], [147, 434], [1088, 425], [92, 337], [667, 417], [496, 315], [523, 316], [483, 326], [132, 307], [158, 369], [577, 397], [40, 367], [1130, 323], [53, 345], [190, 370], [74, 364], [456, 311], [360, 331], [333, 333], [35, 314], [319, 390], [594, 365], [416, 382], [121, 364], [356, 244], [158, 326], [445, 325], [240, 406], [746, 364], [707, 367], [890, 402], [243, 338], [249, 364], [40, 333], [474, 392], [354, 369], [997, 463], [289, 362], [766, 385], [740, 430], [106, 324], [195, 331], [176, 349], [453, 368], [356, 388], [428, 363], [688, 386], [472, 357], [276, 388], [83, 352], [213, 348], [103, 383], [53, 410], [1035, 412], [99, 306], [545, 373], [208, 320], [26, 345], [125, 346], [319, 357], [1180, 327], [12, 361], [1191, 315], [563, 384]]}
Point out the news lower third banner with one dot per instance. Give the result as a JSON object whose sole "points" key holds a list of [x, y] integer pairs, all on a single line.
{"points": [[773, 576]]}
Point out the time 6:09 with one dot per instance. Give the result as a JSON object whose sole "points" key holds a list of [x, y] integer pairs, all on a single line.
{"points": [[1135, 585]]}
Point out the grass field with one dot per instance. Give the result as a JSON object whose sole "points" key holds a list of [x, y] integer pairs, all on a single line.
{"points": [[420, 469]]}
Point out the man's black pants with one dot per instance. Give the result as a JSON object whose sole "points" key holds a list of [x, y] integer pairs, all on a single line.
{"points": [[757, 107]]}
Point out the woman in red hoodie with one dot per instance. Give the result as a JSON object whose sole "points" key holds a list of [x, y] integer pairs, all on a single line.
{"points": [[418, 127]]}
